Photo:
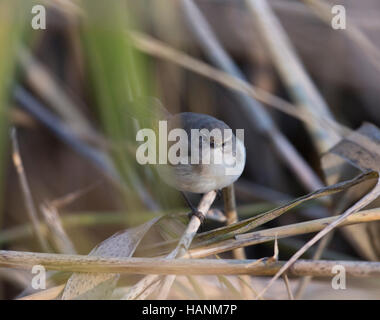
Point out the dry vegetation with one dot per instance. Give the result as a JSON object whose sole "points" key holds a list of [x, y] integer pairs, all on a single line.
{"points": [[74, 199]]}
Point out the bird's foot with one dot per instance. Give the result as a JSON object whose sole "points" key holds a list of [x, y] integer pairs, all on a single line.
{"points": [[198, 214]]}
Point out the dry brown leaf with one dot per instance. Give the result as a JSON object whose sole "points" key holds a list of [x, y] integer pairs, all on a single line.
{"points": [[357, 152], [362, 150], [87, 286]]}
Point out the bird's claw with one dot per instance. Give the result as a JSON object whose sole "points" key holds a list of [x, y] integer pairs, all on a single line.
{"points": [[198, 214]]}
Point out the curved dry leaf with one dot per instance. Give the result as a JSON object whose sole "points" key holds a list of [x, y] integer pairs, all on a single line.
{"points": [[359, 151], [85, 286]]}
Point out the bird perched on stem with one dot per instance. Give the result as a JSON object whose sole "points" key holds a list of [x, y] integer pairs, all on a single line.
{"points": [[197, 152]]}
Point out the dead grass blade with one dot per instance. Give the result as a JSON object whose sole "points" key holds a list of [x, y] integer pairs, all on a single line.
{"points": [[367, 199], [31, 209], [97, 286], [288, 288], [60, 239], [249, 224], [267, 235]]}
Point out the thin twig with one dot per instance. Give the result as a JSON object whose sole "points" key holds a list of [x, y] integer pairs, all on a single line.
{"points": [[187, 238], [316, 256], [230, 204], [322, 245], [31, 209], [232, 217], [147, 285], [61, 240], [49, 209], [72, 196], [288, 288]]}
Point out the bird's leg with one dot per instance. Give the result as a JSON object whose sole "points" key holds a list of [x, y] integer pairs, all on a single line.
{"points": [[194, 210]]}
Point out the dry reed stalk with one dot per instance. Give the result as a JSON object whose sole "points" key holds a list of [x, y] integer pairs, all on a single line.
{"points": [[292, 72], [259, 267], [232, 217], [267, 235]]}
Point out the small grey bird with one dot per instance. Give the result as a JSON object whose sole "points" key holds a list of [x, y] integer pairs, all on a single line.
{"points": [[203, 176]]}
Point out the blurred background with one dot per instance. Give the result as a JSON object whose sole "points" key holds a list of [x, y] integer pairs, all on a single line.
{"points": [[73, 90]]}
